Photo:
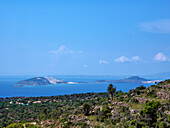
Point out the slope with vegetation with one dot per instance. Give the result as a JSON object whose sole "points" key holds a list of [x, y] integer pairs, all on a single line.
{"points": [[139, 108]]}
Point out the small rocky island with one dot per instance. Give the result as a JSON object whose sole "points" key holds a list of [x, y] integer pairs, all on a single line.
{"points": [[37, 81]]}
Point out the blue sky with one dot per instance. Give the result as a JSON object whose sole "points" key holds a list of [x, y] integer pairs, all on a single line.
{"points": [[84, 37]]}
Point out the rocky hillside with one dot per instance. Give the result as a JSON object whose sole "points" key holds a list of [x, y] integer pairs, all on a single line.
{"points": [[139, 108]]}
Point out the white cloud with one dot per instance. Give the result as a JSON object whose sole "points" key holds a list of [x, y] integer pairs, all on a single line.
{"points": [[103, 62], [122, 59], [126, 59], [158, 26], [135, 58], [64, 50], [85, 66], [160, 57]]}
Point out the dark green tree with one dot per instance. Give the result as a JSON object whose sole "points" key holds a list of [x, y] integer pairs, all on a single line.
{"points": [[111, 90], [86, 108], [150, 112]]}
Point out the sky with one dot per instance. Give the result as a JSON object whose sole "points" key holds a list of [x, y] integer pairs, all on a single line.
{"points": [[84, 37]]}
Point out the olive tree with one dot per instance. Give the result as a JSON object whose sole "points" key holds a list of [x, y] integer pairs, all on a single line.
{"points": [[111, 90]]}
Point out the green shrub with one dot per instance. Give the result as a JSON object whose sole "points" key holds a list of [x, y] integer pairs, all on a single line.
{"points": [[67, 125], [115, 121], [106, 109], [101, 116], [131, 126], [16, 125], [168, 118], [150, 111], [134, 100], [152, 94], [84, 125], [86, 108], [132, 122], [138, 125], [140, 87], [162, 124]]}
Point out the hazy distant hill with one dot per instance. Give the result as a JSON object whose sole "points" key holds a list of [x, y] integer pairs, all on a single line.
{"points": [[132, 79]]}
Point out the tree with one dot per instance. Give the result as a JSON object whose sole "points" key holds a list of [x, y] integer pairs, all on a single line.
{"points": [[150, 111], [86, 108], [111, 90]]}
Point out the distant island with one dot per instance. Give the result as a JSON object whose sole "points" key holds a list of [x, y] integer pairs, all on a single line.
{"points": [[38, 81], [132, 79]]}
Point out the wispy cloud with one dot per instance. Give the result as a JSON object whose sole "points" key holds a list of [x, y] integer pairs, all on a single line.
{"points": [[103, 62], [160, 57], [60, 49], [64, 50], [126, 59], [157, 26], [85, 66], [135, 58]]}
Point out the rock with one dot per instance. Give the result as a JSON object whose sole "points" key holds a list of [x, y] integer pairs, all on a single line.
{"points": [[35, 102], [133, 111], [167, 112], [119, 103], [75, 118], [165, 86], [141, 100], [163, 95]]}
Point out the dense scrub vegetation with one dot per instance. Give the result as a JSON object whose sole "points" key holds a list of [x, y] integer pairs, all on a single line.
{"points": [[140, 107]]}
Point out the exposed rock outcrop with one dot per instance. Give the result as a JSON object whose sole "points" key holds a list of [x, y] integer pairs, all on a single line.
{"points": [[163, 95]]}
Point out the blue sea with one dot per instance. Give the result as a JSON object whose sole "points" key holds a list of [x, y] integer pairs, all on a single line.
{"points": [[7, 88]]}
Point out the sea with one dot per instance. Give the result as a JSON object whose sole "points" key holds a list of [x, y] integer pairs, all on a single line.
{"points": [[7, 88]]}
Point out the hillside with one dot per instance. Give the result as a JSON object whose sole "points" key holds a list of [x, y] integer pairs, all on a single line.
{"points": [[140, 107], [132, 79]]}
